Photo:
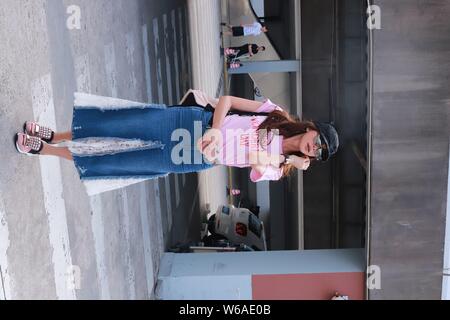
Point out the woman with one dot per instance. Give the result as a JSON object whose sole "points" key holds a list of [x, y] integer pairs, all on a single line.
{"points": [[249, 49], [129, 140], [244, 30]]}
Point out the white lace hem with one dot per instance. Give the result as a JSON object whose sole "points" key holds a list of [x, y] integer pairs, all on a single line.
{"points": [[88, 147]]}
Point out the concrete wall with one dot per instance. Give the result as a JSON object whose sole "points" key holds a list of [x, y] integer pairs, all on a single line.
{"points": [[245, 275], [315, 286], [410, 137], [334, 40]]}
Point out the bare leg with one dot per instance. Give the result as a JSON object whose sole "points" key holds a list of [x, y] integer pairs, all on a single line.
{"points": [[62, 152], [62, 136]]}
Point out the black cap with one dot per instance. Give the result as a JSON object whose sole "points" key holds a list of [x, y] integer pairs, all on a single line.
{"points": [[329, 137]]}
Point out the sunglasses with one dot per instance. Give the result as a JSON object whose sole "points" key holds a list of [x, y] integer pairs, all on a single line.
{"points": [[320, 147]]}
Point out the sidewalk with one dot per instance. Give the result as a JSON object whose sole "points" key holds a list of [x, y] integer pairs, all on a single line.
{"points": [[207, 69]]}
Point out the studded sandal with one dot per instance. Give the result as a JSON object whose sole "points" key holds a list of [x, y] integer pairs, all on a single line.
{"points": [[33, 129], [28, 145]]}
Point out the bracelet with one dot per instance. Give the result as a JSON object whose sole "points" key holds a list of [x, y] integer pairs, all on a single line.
{"points": [[286, 159]]}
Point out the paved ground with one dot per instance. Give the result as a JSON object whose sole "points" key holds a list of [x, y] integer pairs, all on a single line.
{"points": [[55, 240]]}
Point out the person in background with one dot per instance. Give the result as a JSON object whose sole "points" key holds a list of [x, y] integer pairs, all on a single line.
{"points": [[244, 30], [249, 49]]}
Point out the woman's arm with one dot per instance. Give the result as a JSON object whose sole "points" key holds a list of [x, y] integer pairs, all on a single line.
{"points": [[229, 102], [260, 160], [266, 167]]}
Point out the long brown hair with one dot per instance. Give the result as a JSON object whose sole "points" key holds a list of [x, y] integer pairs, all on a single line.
{"points": [[287, 126]]}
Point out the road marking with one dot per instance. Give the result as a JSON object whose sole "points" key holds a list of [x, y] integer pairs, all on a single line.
{"points": [[167, 180], [98, 231], [446, 278], [83, 74], [110, 65], [168, 64], [182, 50], [5, 279], [168, 201], [148, 76], [175, 52], [143, 210], [188, 45], [177, 90], [158, 217], [129, 41], [156, 45], [177, 190], [44, 112], [130, 277]]}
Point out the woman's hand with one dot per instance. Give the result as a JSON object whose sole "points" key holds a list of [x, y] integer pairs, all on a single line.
{"points": [[209, 144], [301, 163]]}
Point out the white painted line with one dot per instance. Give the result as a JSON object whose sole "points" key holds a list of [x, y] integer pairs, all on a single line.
{"points": [[188, 42], [156, 45], [177, 67], [175, 53], [168, 64], [446, 277], [98, 231], [177, 190], [159, 226], [148, 74], [130, 278], [83, 74], [130, 45], [92, 187], [44, 112], [95, 187], [168, 201], [110, 65], [167, 180], [183, 51], [5, 278], [143, 210]]}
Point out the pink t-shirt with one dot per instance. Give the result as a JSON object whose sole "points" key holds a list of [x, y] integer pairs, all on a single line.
{"points": [[240, 138]]}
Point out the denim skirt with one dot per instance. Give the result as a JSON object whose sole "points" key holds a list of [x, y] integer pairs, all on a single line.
{"points": [[158, 140]]}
